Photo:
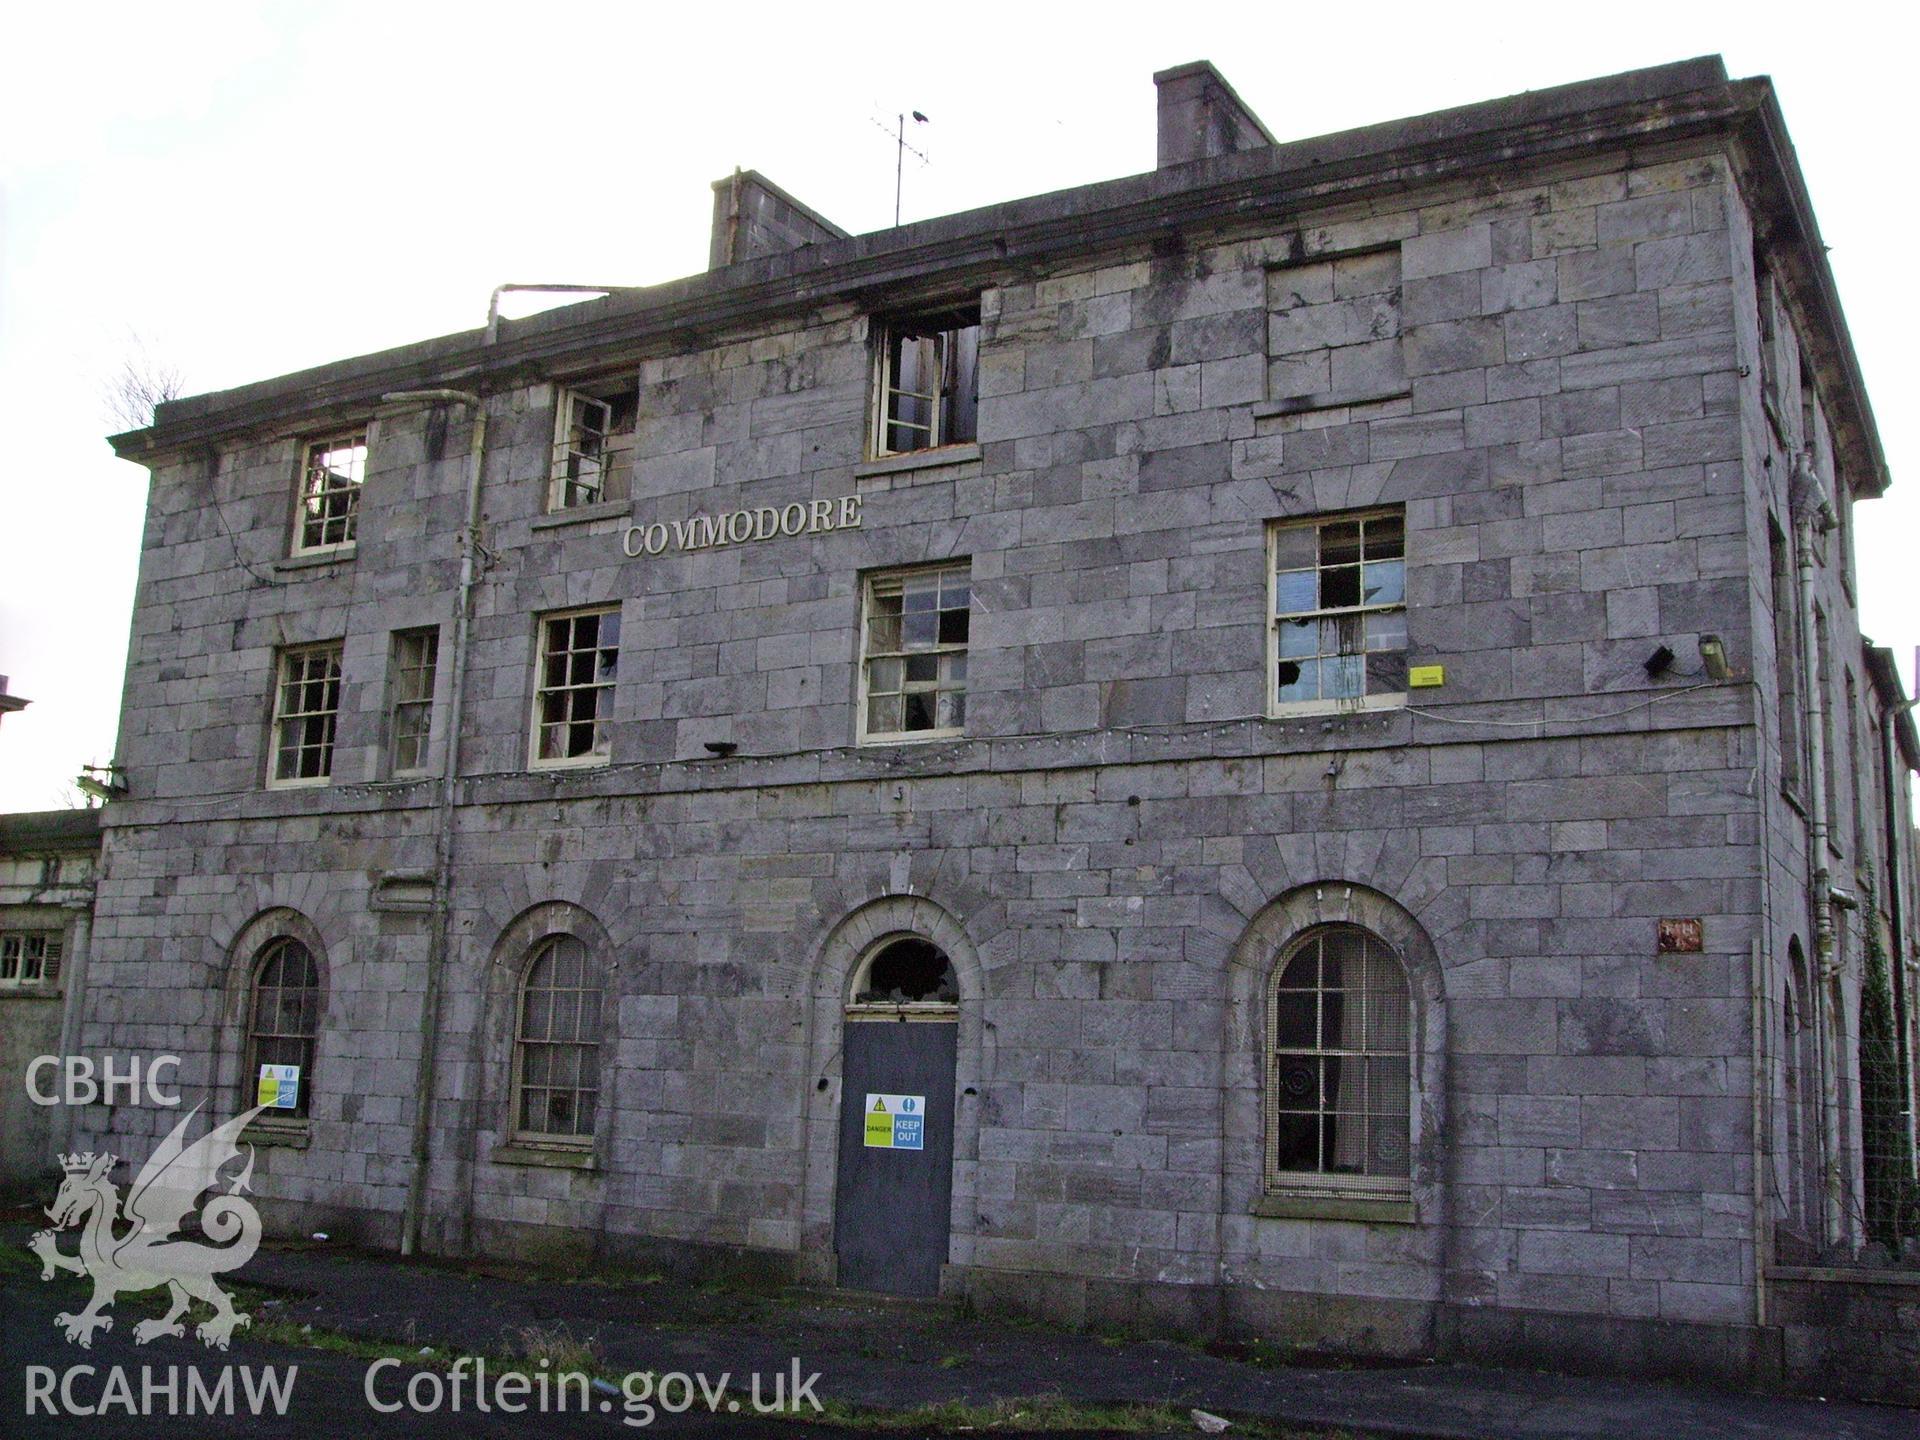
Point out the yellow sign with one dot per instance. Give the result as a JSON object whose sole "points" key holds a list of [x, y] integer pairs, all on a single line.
{"points": [[1421, 676]]}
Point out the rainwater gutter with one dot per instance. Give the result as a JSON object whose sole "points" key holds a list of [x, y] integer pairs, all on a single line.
{"points": [[437, 935]]}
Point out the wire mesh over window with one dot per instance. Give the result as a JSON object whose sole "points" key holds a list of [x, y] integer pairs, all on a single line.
{"points": [[929, 383], [29, 957], [1340, 610], [282, 1018], [557, 1049], [416, 655], [306, 710], [330, 491], [579, 658], [1340, 1078], [916, 653]]}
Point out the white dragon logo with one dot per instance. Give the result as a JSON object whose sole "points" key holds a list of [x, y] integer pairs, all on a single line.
{"points": [[150, 1251]]}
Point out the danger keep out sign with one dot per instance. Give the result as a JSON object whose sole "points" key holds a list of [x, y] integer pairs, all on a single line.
{"points": [[896, 1122]]}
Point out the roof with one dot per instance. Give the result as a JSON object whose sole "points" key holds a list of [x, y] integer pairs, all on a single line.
{"points": [[1883, 671], [33, 832], [951, 254]]}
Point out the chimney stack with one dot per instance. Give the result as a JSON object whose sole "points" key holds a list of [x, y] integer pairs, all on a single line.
{"points": [[1201, 117]]}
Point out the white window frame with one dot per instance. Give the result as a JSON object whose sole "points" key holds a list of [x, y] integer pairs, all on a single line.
{"points": [[1325, 1183], [25, 956], [594, 981], [311, 452], [879, 427], [402, 698], [602, 751], [870, 588], [282, 679], [1276, 707], [571, 458]]}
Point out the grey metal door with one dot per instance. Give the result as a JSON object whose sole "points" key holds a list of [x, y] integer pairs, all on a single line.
{"points": [[892, 1201]]}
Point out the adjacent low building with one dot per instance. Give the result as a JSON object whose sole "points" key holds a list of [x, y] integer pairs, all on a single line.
{"points": [[48, 862], [1278, 745]]}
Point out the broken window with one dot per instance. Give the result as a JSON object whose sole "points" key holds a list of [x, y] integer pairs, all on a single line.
{"points": [[416, 655], [306, 710], [330, 481], [914, 670], [30, 957], [1339, 1093], [1333, 330], [926, 387], [573, 703], [907, 971], [282, 1017], [593, 431], [1340, 611], [557, 1042]]}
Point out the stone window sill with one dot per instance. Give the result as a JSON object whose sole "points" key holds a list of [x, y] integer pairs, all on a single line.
{"points": [[583, 514], [319, 559], [559, 1157], [1380, 1210], [1305, 404], [918, 460], [29, 992], [285, 1134]]}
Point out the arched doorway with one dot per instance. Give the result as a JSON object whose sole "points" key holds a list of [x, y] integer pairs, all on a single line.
{"points": [[894, 1190]]}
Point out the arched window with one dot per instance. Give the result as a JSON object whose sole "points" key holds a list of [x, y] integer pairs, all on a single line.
{"points": [[283, 1013], [906, 970], [1339, 1093], [557, 1042]]}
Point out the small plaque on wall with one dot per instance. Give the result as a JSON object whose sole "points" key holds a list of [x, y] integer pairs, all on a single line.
{"points": [[1681, 937]]}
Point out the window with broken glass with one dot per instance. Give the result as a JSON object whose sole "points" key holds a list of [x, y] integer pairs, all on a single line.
{"points": [[416, 655], [1339, 623], [592, 446], [1339, 1093], [557, 1042], [926, 388], [306, 711], [283, 1016], [29, 958], [914, 670], [573, 705], [330, 481]]}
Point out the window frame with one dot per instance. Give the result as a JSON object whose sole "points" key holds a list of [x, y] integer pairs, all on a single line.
{"points": [[880, 425], [618, 402], [869, 583], [586, 1037], [357, 438], [400, 698], [283, 659], [14, 947], [1323, 1184], [274, 947], [1324, 705], [602, 752]]}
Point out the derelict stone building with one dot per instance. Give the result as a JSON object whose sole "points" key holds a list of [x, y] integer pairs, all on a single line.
{"points": [[1280, 744]]}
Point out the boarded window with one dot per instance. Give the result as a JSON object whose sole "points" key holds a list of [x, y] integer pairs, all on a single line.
{"points": [[1333, 330]]}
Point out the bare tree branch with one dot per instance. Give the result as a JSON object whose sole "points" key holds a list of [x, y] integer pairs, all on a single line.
{"points": [[142, 382]]}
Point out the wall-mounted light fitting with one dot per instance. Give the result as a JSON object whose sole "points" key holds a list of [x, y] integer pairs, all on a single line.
{"points": [[1713, 655]]}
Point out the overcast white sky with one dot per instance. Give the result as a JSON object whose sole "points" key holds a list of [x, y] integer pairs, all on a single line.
{"points": [[257, 188]]}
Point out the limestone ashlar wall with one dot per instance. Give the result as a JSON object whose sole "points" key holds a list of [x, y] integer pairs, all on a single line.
{"points": [[1566, 443]]}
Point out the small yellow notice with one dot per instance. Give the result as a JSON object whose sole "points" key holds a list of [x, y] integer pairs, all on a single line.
{"points": [[1421, 676], [878, 1133]]}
